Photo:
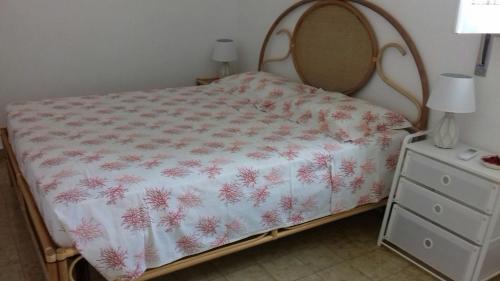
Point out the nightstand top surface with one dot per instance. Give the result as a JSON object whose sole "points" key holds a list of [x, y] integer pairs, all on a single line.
{"points": [[450, 156]]}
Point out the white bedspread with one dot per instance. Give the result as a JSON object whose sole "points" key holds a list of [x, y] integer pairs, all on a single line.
{"points": [[137, 180]]}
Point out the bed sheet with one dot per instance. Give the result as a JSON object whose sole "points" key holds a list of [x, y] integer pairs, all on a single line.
{"points": [[137, 180]]}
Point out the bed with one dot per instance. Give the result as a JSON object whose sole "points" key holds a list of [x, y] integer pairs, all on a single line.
{"points": [[141, 184]]}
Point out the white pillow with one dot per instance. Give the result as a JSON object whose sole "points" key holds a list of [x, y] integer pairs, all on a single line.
{"points": [[259, 86], [344, 118]]}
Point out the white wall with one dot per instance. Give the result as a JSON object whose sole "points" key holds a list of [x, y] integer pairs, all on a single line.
{"points": [[54, 48], [482, 128], [430, 23]]}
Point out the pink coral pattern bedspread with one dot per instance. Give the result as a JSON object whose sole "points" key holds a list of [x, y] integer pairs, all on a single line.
{"points": [[137, 180]]}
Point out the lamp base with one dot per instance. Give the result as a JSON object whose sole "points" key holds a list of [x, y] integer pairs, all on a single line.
{"points": [[225, 70], [446, 133]]}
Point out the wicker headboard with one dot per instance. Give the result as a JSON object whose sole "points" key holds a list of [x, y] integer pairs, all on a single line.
{"points": [[334, 47]]}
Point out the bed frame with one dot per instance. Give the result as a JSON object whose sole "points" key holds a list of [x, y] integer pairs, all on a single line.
{"points": [[317, 51]]}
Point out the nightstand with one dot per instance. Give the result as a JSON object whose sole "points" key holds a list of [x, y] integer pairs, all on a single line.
{"points": [[443, 213], [206, 81]]}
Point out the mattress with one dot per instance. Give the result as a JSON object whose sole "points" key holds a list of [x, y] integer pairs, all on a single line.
{"points": [[140, 179]]}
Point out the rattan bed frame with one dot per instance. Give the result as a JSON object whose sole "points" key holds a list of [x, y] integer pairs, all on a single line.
{"points": [[307, 44]]}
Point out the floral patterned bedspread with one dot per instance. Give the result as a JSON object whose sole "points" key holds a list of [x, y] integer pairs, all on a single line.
{"points": [[137, 180]]}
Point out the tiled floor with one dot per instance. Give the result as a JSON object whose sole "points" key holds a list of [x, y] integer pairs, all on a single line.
{"points": [[344, 250]]}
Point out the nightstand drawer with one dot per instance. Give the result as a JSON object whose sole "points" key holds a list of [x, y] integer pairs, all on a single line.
{"points": [[468, 188], [443, 211], [432, 245]]}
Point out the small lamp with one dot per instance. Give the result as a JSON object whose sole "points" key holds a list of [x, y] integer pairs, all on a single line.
{"points": [[224, 52], [454, 93]]}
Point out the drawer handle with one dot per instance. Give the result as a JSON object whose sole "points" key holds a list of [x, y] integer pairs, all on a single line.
{"points": [[438, 209], [445, 180], [428, 244]]}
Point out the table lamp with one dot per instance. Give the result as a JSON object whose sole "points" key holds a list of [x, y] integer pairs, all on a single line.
{"points": [[224, 52], [454, 93]]}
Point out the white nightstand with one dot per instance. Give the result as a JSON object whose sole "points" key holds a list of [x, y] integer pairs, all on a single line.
{"points": [[443, 213]]}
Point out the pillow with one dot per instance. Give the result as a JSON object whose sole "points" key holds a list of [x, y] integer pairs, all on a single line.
{"points": [[259, 86], [240, 82], [342, 117]]}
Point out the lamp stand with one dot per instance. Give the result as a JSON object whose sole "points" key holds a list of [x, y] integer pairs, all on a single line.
{"points": [[225, 70], [446, 132]]}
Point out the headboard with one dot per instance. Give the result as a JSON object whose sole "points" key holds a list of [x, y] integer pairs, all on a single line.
{"points": [[334, 47]]}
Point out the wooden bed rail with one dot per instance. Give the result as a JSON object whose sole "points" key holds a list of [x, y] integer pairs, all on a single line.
{"points": [[252, 242]]}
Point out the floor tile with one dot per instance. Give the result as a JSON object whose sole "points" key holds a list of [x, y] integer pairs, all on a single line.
{"points": [[252, 273], [379, 264], [9, 254], [11, 272], [287, 268], [342, 272], [314, 277], [317, 258], [236, 262], [31, 270], [410, 273], [348, 249], [361, 233], [273, 250]]}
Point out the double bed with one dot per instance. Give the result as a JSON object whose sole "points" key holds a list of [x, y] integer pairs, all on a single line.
{"points": [[140, 184]]}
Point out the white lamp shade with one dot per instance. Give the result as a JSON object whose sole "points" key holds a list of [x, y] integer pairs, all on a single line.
{"points": [[224, 51], [453, 93], [478, 16]]}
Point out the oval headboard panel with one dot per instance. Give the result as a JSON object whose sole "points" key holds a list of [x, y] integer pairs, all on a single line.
{"points": [[334, 47]]}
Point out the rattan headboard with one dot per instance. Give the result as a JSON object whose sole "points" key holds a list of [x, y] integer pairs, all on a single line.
{"points": [[334, 47]]}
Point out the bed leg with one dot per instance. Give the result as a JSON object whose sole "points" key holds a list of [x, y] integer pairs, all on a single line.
{"points": [[52, 272], [62, 268]]}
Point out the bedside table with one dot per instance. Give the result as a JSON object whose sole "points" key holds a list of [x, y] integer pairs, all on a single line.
{"points": [[205, 81], [443, 213]]}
